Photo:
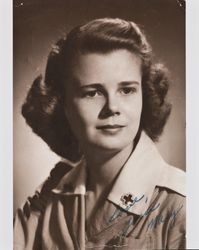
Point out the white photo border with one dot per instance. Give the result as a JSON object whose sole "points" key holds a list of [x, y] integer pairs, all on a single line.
{"points": [[6, 123]]}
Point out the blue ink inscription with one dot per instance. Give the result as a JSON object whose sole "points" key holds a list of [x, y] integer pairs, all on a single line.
{"points": [[118, 212], [157, 220], [131, 221], [153, 223]]}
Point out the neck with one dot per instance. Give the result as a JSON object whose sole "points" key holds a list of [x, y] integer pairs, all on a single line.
{"points": [[104, 167]]}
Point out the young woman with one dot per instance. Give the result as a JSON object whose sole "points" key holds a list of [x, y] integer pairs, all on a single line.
{"points": [[101, 107]]}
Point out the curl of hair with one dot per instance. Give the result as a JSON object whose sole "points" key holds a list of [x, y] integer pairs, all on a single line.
{"points": [[44, 105], [156, 109]]}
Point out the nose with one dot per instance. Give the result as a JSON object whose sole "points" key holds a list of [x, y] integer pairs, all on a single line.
{"points": [[111, 107]]}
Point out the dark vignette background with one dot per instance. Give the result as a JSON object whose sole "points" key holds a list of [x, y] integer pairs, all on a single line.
{"points": [[37, 26]]}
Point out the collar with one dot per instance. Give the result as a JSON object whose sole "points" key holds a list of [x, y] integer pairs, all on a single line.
{"points": [[144, 170]]}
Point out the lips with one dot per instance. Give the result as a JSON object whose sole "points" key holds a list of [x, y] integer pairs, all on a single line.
{"points": [[115, 126], [110, 130]]}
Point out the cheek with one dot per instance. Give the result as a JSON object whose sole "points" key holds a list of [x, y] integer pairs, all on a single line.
{"points": [[134, 110], [73, 115], [84, 112]]}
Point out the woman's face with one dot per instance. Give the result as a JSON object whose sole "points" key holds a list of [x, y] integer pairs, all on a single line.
{"points": [[104, 99]]}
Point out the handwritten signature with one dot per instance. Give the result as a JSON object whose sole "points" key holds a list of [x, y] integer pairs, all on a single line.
{"points": [[153, 223], [158, 219], [119, 212]]}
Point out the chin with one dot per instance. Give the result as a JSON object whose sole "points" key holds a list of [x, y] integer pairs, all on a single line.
{"points": [[112, 146]]}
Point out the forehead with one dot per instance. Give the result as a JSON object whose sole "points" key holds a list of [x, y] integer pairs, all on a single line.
{"points": [[118, 65]]}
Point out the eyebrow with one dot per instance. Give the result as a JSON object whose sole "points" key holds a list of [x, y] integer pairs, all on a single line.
{"points": [[100, 85], [127, 83]]}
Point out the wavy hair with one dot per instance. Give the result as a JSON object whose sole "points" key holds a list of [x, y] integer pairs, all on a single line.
{"points": [[43, 108]]}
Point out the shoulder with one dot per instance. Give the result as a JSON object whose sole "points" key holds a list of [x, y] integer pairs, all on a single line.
{"points": [[28, 219], [171, 200], [173, 211], [172, 197], [173, 179], [173, 205], [172, 191], [42, 195]]}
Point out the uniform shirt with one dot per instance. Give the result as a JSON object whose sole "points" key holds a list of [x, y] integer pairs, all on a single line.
{"points": [[145, 208]]}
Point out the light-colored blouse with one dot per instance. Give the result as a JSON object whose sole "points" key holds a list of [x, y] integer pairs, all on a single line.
{"points": [[145, 208]]}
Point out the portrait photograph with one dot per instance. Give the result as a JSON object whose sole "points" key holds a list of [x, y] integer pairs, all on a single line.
{"points": [[99, 124]]}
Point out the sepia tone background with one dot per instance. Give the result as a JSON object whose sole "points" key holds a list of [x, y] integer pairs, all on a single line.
{"points": [[37, 26]]}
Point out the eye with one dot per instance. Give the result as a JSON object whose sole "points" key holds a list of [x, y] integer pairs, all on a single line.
{"points": [[128, 90], [92, 94]]}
